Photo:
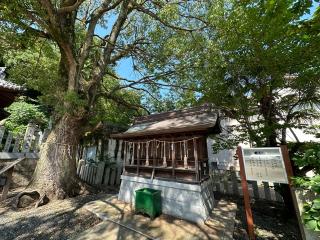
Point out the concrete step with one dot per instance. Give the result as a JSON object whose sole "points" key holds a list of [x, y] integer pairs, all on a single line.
{"points": [[120, 222]]}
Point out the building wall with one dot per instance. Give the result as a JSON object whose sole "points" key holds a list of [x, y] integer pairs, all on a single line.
{"points": [[186, 201], [225, 160]]}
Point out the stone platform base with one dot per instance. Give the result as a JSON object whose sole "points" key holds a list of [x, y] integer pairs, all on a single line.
{"points": [[186, 201]]}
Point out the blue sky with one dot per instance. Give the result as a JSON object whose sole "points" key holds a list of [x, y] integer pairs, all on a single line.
{"points": [[124, 67]]}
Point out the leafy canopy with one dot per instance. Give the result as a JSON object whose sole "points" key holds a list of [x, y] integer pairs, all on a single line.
{"points": [[21, 113], [258, 61]]}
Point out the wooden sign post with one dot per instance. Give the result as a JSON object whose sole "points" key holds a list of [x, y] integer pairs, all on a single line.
{"points": [[246, 196], [268, 165], [287, 163]]}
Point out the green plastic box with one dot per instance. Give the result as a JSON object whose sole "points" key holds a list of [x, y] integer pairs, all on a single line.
{"points": [[148, 201]]}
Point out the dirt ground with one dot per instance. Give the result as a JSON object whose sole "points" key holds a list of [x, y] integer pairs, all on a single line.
{"points": [[65, 219], [271, 221], [61, 220]]}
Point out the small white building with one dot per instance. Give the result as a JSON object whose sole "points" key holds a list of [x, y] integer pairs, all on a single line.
{"points": [[168, 152]]}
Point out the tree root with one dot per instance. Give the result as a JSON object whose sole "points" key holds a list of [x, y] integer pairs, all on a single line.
{"points": [[43, 200], [28, 198]]}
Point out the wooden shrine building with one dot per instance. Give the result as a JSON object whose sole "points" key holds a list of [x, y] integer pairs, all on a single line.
{"points": [[168, 151], [170, 146]]}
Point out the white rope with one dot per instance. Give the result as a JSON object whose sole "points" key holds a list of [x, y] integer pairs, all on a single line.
{"points": [[57, 143], [154, 146], [163, 141]]}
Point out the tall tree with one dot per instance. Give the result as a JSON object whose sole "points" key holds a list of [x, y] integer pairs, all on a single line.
{"points": [[91, 36], [257, 61]]}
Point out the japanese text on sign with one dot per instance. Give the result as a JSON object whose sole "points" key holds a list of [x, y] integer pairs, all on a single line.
{"points": [[264, 164]]}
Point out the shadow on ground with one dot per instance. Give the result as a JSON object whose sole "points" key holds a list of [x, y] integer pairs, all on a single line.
{"points": [[120, 222], [271, 220], [56, 220]]}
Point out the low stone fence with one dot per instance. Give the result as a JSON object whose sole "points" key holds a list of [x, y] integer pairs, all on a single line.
{"points": [[99, 174], [228, 182]]}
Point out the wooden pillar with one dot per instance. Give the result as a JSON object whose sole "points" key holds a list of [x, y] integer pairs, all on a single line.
{"points": [[289, 170], [195, 153], [173, 159], [185, 156], [155, 159], [138, 157], [125, 155], [164, 155], [246, 196]]}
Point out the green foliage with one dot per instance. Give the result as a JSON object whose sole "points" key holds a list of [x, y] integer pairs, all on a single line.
{"points": [[311, 215], [311, 210], [255, 60], [35, 66], [310, 157], [120, 108], [169, 101], [21, 113], [312, 183], [73, 104]]}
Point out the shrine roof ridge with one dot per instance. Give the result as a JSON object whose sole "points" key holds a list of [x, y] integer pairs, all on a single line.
{"points": [[205, 108]]}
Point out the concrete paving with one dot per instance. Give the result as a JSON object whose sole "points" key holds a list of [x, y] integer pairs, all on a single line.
{"points": [[120, 222]]}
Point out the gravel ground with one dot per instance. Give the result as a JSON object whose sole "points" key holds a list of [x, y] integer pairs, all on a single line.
{"points": [[65, 219], [271, 221], [56, 220]]}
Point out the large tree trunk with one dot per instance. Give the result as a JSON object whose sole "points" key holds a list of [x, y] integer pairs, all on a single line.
{"points": [[267, 108], [55, 174]]}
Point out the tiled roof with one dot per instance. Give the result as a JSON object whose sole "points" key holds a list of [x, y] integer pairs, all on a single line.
{"points": [[10, 86], [6, 84], [186, 120]]}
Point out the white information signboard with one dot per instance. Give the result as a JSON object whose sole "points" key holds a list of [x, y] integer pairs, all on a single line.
{"points": [[264, 164]]}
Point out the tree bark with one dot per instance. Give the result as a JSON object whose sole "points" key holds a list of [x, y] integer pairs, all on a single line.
{"points": [[55, 174], [268, 111]]}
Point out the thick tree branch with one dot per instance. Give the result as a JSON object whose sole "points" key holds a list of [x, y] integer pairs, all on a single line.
{"points": [[99, 67], [47, 5], [125, 10], [147, 80], [75, 5], [95, 16], [28, 29]]}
